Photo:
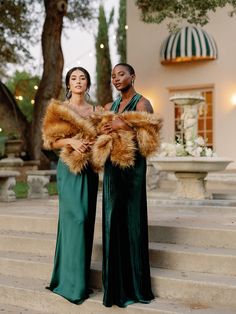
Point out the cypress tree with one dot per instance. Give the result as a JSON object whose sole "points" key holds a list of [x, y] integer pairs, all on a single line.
{"points": [[121, 32], [103, 60]]}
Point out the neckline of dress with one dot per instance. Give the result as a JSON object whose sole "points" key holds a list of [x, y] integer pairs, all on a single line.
{"points": [[127, 103]]}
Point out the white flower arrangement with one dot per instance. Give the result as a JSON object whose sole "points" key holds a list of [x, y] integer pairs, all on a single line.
{"points": [[195, 148]]}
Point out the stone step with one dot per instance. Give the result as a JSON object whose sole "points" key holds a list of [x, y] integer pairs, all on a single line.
{"points": [[195, 259], [25, 242], [193, 234], [13, 309], [180, 228], [185, 257], [211, 292], [165, 255], [28, 223], [162, 255], [181, 285]]}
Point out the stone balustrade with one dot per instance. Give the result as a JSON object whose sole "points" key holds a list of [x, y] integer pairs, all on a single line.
{"points": [[37, 181], [7, 184]]}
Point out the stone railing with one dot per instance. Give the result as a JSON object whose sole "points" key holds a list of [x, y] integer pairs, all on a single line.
{"points": [[37, 181], [7, 184]]}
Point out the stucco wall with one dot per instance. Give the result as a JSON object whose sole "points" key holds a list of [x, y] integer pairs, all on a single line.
{"points": [[154, 80]]}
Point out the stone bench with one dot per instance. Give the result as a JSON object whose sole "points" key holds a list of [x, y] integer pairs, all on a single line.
{"points": [[37, 182], [7, 184]]}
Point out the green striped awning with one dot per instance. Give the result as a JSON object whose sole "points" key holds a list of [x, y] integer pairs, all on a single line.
{"points": [[191, 43]]}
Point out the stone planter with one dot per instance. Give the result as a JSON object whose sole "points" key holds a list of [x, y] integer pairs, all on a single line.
{"points": [[190, 173], [13, 148]]}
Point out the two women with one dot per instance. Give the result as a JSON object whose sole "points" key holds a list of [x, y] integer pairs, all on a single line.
{"points": [[126, 271]]}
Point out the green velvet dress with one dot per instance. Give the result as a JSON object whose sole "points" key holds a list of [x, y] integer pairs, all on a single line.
{"points": [[77, 208], [126, 270]]}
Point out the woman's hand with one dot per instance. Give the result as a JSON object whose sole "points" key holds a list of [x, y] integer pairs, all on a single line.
{"points": [[116, 124], [78, 145], [81, 146]]}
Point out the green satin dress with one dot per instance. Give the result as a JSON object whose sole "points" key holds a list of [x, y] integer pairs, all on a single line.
{"points": [[126, 270], [77, 208]]}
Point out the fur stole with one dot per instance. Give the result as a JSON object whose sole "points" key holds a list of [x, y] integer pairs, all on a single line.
{"points": [[61, 122], [121, 145]]}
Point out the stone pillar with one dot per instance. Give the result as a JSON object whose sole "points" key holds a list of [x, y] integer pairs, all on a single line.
{"points": [[191, 185]]}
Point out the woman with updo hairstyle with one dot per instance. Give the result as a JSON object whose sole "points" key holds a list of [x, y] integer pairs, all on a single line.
{"points": [[66, 127]]}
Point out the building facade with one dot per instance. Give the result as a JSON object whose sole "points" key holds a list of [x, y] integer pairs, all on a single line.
{"points": [[214, 79]]}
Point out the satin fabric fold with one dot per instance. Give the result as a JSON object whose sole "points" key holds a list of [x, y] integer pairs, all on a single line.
{"points": [[77, 208]]}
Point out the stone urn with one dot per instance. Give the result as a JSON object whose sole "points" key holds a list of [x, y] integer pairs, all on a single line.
{"points": [[13, 148]]}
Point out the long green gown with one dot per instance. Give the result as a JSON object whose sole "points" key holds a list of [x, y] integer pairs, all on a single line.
{"points": [[77, 208], [126, 270]]}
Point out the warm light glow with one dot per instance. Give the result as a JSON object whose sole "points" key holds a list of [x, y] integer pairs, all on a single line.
{"points": [[17, 97], [233, 99], [35, 87], [0, 129], [20, 98], [102, 46], [32, 101], [126, 27]]}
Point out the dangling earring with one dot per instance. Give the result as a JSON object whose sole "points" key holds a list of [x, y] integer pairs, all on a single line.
{"points": [[68, 93], [87, 96], [132, 82]]}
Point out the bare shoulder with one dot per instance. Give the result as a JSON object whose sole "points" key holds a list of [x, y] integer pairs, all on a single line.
{"points": [[144, 105], [108, 106]]}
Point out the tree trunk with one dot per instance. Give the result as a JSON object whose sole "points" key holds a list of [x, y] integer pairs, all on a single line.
{"points": [[51, 81]]}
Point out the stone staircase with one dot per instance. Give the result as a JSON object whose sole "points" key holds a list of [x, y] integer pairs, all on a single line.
{"points": [[192, 255]]}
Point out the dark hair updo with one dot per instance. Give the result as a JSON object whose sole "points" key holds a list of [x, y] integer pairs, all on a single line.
{"points": [[68, 75], [128, 67]]}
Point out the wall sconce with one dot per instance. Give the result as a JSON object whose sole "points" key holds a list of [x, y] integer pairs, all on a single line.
{"points": [[233, 99]]}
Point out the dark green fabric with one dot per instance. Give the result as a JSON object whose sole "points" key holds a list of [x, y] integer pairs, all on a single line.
{"points": [[126, 270], [77, 208]]}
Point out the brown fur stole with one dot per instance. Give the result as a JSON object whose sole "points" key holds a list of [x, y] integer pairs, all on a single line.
{"points": [[121, 145], [61, 122]]}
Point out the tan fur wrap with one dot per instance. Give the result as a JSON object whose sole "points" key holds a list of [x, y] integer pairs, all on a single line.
{"points": [[121, 145], [61, 122], [147, 126]]}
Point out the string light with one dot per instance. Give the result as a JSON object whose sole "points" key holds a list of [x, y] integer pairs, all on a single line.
{"points": [[35, 87], [102, 46], [20, 98], [233, 100], [126, 27], [32, 101]]}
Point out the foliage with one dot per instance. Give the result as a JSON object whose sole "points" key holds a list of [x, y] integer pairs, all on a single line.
{"points": [[22, 85], [16, 25], [193, 11], [121, 32], [19, 26], [103, 65], [80, 12]]}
